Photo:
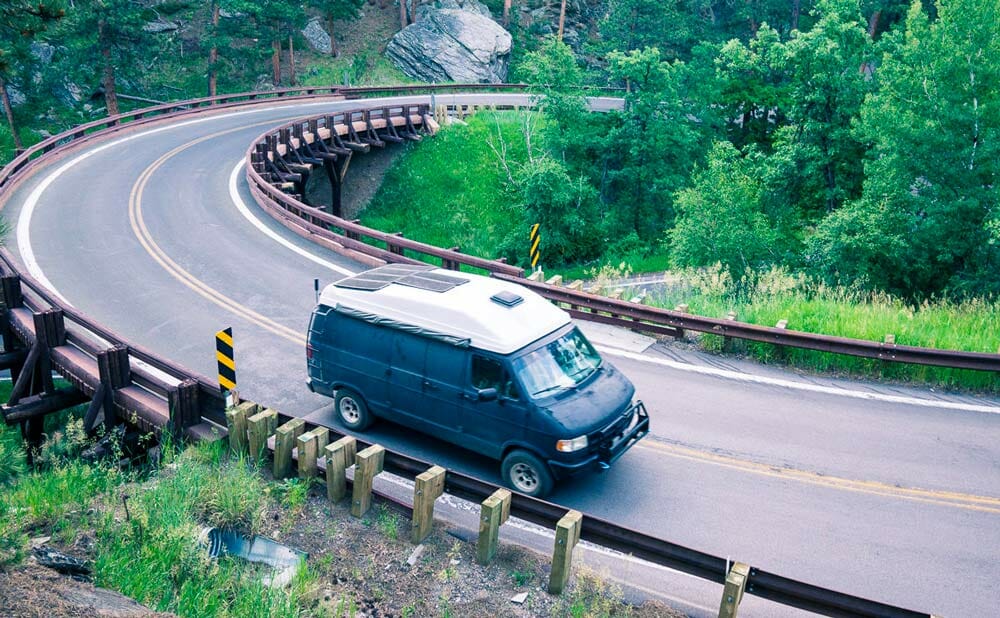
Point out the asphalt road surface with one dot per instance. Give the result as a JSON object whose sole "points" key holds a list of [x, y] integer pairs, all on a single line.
{"points": [[887, 493]]}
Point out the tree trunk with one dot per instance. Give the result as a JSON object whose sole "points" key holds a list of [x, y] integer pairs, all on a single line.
{"points": [[8, 111], [506, 13], [108, 81], [796, 9], [562, 18], [213, 54], [291, 60], [873, 24], [276, 61], [402, 14], [334, 52]]}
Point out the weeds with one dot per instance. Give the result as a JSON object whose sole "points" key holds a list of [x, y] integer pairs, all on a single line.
{"points": [[387, 522]]}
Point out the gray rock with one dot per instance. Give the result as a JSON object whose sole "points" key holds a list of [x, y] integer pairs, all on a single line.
{"points": [[42, 52], [16, 96], [316, 36], [452, 45], [161, 25]]}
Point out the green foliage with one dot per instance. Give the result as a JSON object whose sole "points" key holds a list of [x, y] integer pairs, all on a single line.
{"points": [[770, 295], [720, 216], [925, 223]]}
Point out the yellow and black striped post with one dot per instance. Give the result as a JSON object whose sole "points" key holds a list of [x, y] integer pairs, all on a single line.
{"points": [[535, 239], [227, 363]]}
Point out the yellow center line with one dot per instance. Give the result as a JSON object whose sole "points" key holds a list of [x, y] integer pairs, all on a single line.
{"points": [[943, 498], [971, 502], [187, 279]]}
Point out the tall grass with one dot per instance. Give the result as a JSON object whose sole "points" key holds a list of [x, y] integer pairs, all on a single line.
{"points": [[153, 555], [765, 298]]}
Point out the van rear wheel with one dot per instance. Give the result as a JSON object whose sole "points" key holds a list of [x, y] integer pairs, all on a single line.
{"points": [[527, 474], [352, 410]]}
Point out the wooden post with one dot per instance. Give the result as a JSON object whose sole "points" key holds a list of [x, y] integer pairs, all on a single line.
{"points": [[727, 342], [322, 439], [493, 513], [782, 324], [284, 442], [681, 308], [115, 372], [567, 536], [339, 456], [236, 423], [538, 275], [576, 285], [10, 288], [260, 427], [732, 594], [428, 487], [308, 448], [182, 402], [555, 280], [890, 339], [368, 464]]}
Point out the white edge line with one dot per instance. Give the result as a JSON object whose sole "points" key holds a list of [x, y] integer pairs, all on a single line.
{"points": [[802, 386], [241, 206]]}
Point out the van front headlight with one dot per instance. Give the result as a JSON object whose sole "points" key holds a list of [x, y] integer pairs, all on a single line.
{"points": [[568, 446]]}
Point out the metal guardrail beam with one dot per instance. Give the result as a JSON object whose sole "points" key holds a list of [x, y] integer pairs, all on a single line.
{"points": [[604, 533]]}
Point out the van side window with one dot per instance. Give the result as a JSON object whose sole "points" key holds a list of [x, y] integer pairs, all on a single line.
{"points": [[490, 373]]}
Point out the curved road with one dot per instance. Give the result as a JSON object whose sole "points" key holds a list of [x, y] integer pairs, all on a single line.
{"points": [[886, 493]]}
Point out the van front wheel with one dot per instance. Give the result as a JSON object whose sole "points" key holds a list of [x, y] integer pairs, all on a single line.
{"points": [[352, 410], [527, 474]]}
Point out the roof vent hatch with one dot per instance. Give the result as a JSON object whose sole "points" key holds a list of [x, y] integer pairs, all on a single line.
{"points": [[507, 299]]}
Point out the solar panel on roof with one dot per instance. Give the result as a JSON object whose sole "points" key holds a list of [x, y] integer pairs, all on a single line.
{"points": [[433, 282], [412, 275]]}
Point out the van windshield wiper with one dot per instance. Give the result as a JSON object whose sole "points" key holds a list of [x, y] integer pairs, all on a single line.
{"points": [[547, 389]]}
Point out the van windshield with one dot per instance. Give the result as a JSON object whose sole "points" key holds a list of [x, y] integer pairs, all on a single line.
{"points": [[560, 365]]}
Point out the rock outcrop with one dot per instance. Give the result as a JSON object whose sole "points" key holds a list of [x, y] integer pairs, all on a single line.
{"points": [[452, 40]]}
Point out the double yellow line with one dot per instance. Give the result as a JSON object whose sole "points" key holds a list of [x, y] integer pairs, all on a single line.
{"points": [[187, 279], [941, 498]]}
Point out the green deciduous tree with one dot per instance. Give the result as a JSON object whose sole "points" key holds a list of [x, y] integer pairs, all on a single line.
{"points": [[927, 220], [720, 218], [650, 147]]}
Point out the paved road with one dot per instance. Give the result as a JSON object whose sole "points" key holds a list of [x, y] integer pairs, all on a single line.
{"points": [[888, 493]]}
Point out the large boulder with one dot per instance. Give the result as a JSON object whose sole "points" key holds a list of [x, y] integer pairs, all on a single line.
{"points": [[317, 37], [453, 40]]}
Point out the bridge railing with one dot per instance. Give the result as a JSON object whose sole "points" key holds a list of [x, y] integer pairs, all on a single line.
{"points": [[321, 227], [150, 395]]}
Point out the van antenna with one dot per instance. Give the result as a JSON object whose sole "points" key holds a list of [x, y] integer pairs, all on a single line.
{"points": [[316, 289]]}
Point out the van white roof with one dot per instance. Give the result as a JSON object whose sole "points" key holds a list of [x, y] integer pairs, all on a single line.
{"points": [[451, 303]]}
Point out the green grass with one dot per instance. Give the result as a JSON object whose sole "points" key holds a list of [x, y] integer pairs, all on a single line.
{"points": [[450, 191], [766, 298], [155, 558], [151, 553]]}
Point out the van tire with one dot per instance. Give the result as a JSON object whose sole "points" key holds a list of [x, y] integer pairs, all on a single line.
{"points": [[527, 474], [352, 410]]}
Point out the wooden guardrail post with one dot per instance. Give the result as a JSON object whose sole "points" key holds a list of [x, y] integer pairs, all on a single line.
{"points": [[13, 298], [428, 487], [339, 457], [538, 275], [493, 513], [567, 536], [311, 445], [681, 308], [890, 339], [284, 441], [554, 280], [727, 342], [575, 285], [732, 594], [260, 427], [115, 371], [182, 402], [368, 464], [236, 424]]}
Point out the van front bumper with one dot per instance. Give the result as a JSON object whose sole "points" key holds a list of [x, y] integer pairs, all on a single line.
{"points": [[609, 449]]}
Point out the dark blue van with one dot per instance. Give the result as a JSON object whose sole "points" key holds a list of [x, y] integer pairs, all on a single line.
{"points": [[484, 364]]}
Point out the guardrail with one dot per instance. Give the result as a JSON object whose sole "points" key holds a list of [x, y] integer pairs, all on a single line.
{"points": [[146, 389], [320, 227]]}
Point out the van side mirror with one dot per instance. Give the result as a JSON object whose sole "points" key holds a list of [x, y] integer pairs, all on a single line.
{"points": [[487, 394]]}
